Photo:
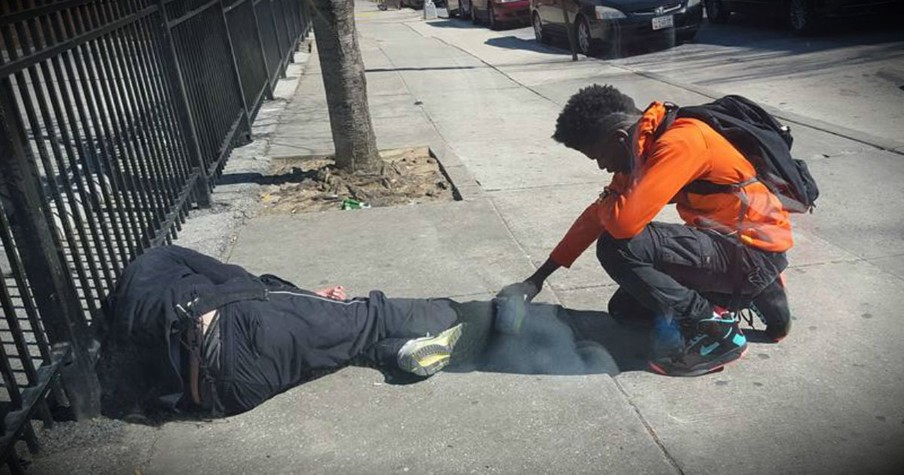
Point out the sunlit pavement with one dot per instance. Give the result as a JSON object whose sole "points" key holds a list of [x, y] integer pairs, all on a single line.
{"points": [[828, 399]]}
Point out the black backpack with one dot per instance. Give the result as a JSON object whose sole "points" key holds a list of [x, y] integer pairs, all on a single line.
{"points": [[762, 140]]}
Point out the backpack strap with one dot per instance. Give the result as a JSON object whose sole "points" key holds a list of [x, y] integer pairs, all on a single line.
{"points": [[703, 187], [671, 113], [699, 187]]}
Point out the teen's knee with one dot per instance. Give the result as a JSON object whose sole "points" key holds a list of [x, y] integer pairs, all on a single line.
{"points": [[613, 253]]}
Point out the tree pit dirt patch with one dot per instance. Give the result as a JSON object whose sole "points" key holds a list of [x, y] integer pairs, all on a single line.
{"points": [[314, 184]]}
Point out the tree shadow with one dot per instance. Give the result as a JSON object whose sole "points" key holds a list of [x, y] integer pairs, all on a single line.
{"points": [[295, 175]]}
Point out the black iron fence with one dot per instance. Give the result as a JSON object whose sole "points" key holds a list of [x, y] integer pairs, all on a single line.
{"points": [[116, 117]]}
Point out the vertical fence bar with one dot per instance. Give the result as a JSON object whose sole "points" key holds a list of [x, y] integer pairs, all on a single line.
{"points": [[276, 31], [290, 37], [59, 200], [148, 157], [239, 87], [44, 263], [24, 293], [248, 53], [174, 73], [76, 110], [141, 205], [9, 377], [94, 133], [128, 197], [153, 66], [145, 134], [260, 41], [175, 167]]}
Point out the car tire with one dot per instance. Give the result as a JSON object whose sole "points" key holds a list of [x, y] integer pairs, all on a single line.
{"points": [[539, 33], [716, 11], [687, 36], [801, 17], [585, 42], [491, 17]]}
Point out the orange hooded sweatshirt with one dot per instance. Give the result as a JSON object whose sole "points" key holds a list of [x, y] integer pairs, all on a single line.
{"points": [[689, 150]]}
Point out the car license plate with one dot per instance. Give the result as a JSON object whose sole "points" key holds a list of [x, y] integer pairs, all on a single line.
{"points": [[661, 22]]}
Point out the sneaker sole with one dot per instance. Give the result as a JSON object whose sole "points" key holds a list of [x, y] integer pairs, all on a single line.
{"points": [[429, 355], [701, 370]]}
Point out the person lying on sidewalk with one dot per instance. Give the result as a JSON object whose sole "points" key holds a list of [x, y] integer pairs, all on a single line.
{"points": [[190, 332], [731, 244]]}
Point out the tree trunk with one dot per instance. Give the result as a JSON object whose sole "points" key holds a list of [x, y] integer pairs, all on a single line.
{"points": [[346, 87]]}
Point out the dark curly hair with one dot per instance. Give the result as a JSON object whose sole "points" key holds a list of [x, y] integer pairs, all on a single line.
{"points": [[583, 116]]}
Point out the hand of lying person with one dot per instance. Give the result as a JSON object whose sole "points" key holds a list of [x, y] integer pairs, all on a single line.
{"points": [[335, 293]]}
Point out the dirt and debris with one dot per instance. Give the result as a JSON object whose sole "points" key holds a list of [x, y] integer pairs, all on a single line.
{"points": [[304, 185]]}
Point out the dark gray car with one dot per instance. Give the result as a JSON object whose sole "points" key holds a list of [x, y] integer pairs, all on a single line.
{"points": [[803, 16], [604, 24]]}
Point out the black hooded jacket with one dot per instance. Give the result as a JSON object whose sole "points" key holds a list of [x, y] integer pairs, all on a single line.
{"points": [[159, 295]]}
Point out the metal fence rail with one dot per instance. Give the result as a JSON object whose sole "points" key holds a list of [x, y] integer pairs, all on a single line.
{"points": [[116, 117]]}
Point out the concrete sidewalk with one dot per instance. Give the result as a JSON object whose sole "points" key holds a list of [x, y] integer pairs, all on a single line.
{"points": [[826, 400]]}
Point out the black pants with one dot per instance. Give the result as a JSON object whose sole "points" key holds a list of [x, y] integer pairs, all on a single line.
{"points": [[270, 346], [678, 272]]}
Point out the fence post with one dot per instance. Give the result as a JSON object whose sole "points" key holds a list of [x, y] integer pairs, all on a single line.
{"points": [[238, 77], [42, 257], [293, 42], [260, 42], [183, 109], [282, 66]]}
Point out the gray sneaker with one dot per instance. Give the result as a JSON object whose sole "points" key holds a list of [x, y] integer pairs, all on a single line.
{"points": [[426, 356]]}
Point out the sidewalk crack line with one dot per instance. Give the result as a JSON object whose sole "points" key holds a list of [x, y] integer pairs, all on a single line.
{"points": [[649, 428]]}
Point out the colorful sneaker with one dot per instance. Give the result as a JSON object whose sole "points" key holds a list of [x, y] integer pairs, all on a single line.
{"points": [[771, 306], [427, 355], [717, 342]]}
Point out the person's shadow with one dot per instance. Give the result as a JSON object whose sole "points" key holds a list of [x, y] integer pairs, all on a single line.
{"points": [[560, 341], [552, 340]]}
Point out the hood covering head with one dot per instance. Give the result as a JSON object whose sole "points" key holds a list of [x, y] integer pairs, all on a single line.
{"points": [[646, 129]]}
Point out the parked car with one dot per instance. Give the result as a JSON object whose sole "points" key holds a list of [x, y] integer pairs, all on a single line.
{"points": [[496, 12], [803, 16], [413, 4], [459, 8], [600, 23]]}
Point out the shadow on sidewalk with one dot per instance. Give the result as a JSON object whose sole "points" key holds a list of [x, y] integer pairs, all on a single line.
{"points": [[467, 25], [765, 30], [513, 42], [560, 46], [558, 341]]}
